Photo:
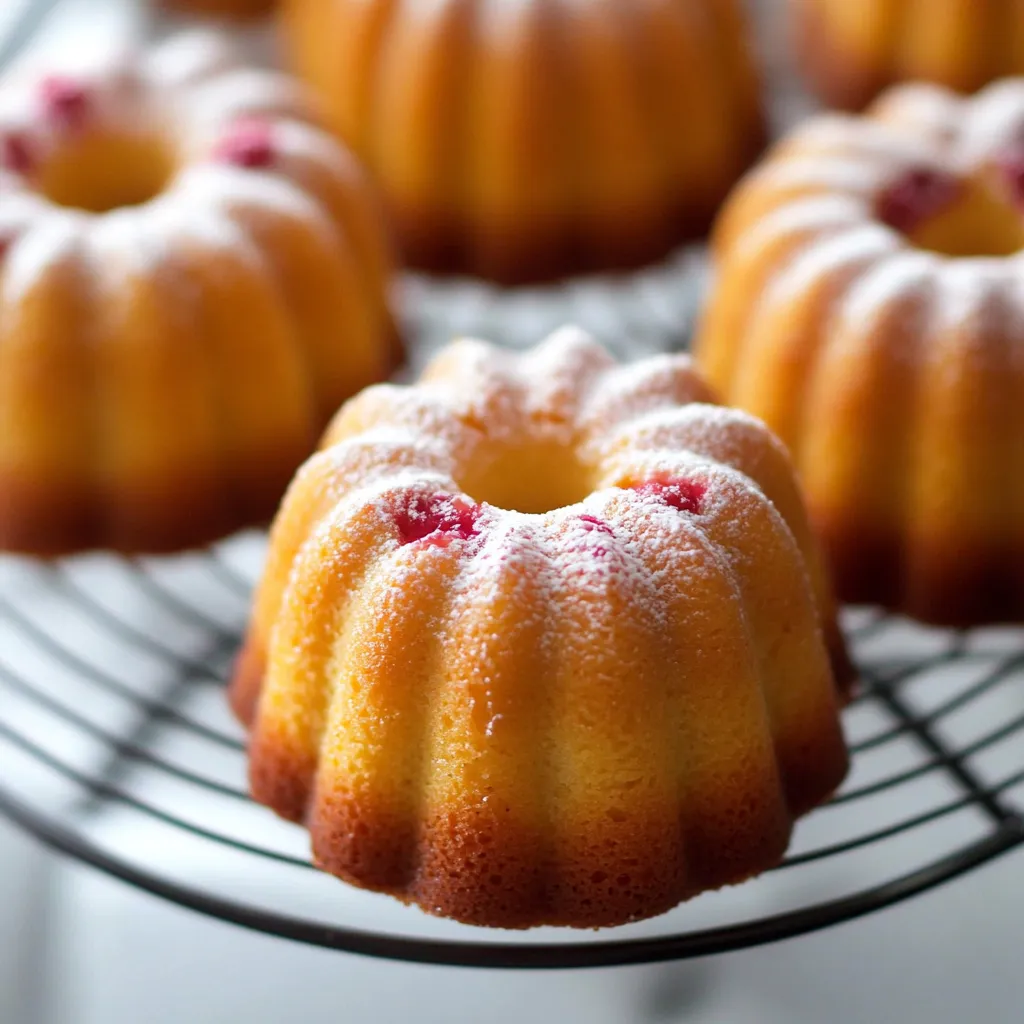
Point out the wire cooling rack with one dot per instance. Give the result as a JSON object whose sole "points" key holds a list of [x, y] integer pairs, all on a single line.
{"points": [[116, 748]]}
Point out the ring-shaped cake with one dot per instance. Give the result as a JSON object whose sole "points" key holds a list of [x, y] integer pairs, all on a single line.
{"points": [[193, 277], [544, 639]]}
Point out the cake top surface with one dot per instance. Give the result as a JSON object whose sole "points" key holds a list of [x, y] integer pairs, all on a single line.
{"points": [[558, 462], [923, 193], [177, 142]]}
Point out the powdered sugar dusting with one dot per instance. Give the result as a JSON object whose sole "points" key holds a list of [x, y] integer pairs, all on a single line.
{"points": [[969, 316], [394, 447], [244, 199], [898, 275], [836, 137], [429, 415], [187, 94], [1011, 294], [830, 258], [189, 59], [914, 133], [825, 173], [18, 213], [559, 372], [635, 389], [573, 558], [244, 94], [994, 120], [303, 147], [836, 171], [927, 110], [807, 217], [41, 113], [50, 239], [697, 427]]}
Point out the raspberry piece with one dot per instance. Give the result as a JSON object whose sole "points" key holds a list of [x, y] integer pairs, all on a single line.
{"points": [[915, 196], [682, 494], [439, 518], [1011, 168], [65, 102], [16, 154], [247, 144]]}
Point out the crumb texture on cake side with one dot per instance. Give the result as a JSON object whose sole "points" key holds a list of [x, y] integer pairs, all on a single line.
{"points": [[852, 50]]}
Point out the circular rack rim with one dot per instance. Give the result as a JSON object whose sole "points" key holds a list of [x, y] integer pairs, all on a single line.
{"points": [[548, 956], [1006, 827]]}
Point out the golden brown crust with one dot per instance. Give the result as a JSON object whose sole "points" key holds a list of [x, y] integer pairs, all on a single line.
{"points": [[479, 866], [45, 517], [247, 679], [813, 764], [532, 254], [843, 668], [554, 153], [280, 778], [50, 518], [837, 76], [968, 46], [945, 582], [53, 516]]}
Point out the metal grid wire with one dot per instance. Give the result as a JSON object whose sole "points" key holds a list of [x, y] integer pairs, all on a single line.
{"points": [[85, 735]]}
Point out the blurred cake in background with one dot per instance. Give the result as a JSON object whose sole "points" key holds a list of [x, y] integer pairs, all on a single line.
{"points": [[530, 140], [869, 306], [193, 276], [852, 49]]}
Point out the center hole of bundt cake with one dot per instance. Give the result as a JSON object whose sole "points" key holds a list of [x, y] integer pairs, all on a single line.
{"points": [[959, 216], [99, 173], [533, 477]]}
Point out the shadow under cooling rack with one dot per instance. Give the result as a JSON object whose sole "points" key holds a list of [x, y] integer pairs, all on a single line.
{"points": [[116, 748]]}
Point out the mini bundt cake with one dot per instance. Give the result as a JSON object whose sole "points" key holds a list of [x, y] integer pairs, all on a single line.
{"points": [[531, 140], [869, 307], [193, 277], [851, 50], [540, 642]]}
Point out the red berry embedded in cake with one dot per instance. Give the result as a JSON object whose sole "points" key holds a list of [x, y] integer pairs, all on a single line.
{"points": [[439, 518], [65, 102], [247, 144], [682, 494], [16, 154], [915, 196], [1010, 166]]}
